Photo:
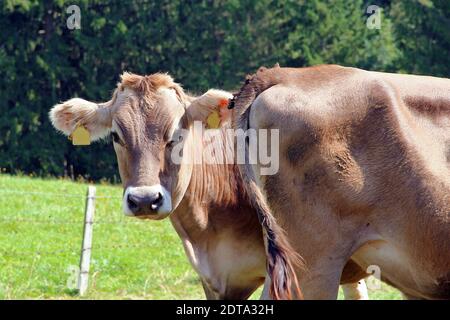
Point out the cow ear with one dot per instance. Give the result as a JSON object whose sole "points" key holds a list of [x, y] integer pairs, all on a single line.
{"points": [[68, 116], [211, 108]]}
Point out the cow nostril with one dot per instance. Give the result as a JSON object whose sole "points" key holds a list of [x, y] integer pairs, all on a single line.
{"points": [[157, 202], [132, 203], [141, 203]]}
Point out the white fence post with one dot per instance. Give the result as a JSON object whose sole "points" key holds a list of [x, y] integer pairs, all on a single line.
{"points": [[85, 258]]}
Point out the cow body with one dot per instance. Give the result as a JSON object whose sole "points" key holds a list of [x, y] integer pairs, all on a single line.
{"points": [[364, 172]]}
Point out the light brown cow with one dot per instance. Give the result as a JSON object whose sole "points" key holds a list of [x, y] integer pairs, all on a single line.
{"points": [[364, 172], [211, 212], [148, 118]]}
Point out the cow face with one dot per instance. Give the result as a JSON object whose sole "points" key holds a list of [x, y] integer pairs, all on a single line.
{"points": [[148, 118], [142, 129]]}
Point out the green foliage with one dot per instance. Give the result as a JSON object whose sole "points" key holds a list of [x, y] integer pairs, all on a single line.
{"points": [[334, 32], [203, 44], [423, 33]]}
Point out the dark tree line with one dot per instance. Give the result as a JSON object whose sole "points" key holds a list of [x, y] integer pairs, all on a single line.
{"points": [[203, 44]]}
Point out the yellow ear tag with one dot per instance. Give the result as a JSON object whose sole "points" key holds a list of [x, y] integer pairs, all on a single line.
{"points": [[81, 136], [213, 120]]}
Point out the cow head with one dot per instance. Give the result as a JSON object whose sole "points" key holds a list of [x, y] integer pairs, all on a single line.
{"points": [[148, 118]]}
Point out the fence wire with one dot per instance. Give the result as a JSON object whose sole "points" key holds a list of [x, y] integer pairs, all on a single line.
{"points": [[28, 251], [63, 221], [54, 194], [11, 251]]}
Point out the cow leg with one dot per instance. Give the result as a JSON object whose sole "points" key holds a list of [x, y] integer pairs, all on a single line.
{"points": [[410, 297], [210, 294], [229, 291], [355, 291], [322, 277], [234, 293], [320, 283], [352, 291]]}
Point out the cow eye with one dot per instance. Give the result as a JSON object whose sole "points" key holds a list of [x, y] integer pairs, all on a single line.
{"points": [[115, 137]]}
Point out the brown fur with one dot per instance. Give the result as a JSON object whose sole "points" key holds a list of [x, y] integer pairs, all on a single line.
{"points": [[216, 206], [360, 160], [283, 259], [429, 106], [443, 288], [147, 86]]}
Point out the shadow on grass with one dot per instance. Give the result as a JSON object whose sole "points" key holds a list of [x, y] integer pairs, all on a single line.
{"points": [[71, 292]]}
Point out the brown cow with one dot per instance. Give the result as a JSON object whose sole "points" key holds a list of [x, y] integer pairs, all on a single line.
{"points": [[212, 214], [364, 172], [151, 116]]}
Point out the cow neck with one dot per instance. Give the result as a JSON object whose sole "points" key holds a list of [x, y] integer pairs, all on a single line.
{"points": [[215, 213], [215, 192]]}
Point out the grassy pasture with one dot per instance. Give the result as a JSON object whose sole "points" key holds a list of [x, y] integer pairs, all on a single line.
{"points": [[40, 240]]}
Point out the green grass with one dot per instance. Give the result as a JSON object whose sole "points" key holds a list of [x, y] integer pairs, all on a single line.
{"points": [[40, 237]]}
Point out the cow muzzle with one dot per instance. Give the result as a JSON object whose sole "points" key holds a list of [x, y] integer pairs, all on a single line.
{"points": [[147, 202]]}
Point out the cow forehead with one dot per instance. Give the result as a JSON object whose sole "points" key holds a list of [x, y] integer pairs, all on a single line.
{"points": [[133, 113], [164, 100], [168, 100]]}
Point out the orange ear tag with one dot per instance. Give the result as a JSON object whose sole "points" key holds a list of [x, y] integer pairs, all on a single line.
{"points": [[213, 120], [80, 136], [224, 103]]}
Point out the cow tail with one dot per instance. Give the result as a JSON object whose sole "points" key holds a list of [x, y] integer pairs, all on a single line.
{"points": [[282, 259]]}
